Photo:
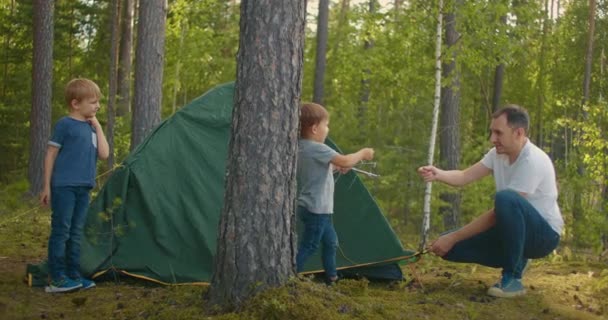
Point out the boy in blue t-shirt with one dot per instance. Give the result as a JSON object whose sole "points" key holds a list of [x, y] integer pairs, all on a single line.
{"points": [[69, 176], [316, 162]]}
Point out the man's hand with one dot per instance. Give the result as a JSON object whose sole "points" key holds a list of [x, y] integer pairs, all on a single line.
{"points": [[45, 196], [442, 245], [429, 173]]}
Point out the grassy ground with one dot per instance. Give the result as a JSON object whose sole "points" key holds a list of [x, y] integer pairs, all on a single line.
{"points": [[557, 289]]}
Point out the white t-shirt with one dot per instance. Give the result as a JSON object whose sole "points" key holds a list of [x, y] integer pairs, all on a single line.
{"points": [[532, 173]]}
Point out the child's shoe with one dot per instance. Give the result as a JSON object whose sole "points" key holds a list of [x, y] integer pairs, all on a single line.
{"points": [[64, 284], [86, 283], [508, 287]]}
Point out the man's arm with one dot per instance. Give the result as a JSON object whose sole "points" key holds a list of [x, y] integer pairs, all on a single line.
{"points": [[455, 178], [444, 244]]}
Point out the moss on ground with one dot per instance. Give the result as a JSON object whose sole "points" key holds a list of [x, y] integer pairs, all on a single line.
{"points": [[434, 289]]}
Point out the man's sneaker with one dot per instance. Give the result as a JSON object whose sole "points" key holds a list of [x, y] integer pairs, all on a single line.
{"points": [[63, 285], [508, 287], [86, 283]]}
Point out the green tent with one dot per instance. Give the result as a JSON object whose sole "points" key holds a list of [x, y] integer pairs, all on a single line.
{"points": [[156, 217]]}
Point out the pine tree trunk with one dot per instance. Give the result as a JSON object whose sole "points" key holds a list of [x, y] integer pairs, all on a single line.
{"points": [[42, 92], [449, 155], [257, 241], [123, 99], [114, 41], [322, 31], [149, 57]]}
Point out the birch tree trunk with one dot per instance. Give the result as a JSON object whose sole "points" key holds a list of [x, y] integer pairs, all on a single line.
{"points": [[426, 219], [42, 92], [257, 241]]}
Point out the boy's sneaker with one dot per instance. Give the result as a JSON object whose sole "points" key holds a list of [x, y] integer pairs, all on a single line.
{"points": [[523, 266], [63, 285], [86, 283], [508, 287]]}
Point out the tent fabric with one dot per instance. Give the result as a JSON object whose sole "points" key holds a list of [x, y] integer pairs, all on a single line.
{"points": [[157, 216]]}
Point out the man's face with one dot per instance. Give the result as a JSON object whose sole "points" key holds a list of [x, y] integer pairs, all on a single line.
{"points": [[503, 137]]}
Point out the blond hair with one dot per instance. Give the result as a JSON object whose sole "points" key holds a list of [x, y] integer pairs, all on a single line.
{"points": [[79, 89]]}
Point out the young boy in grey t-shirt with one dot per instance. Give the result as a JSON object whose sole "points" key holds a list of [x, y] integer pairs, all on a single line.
{"points": [[316, 162]]}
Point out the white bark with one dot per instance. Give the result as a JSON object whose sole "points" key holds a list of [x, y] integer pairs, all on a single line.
{"points": [[429, 185]]}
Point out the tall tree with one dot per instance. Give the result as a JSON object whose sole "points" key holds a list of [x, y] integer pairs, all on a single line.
{"points": [[42, 92], [114, 42], [577, 210], [123, 99], [499, 74], [426, 218], [449, 155], [322, 31], [541, 78], [149, 56], [256, 241]]}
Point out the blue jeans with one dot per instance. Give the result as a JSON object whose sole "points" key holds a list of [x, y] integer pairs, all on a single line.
{"points": [[69, 206], [318, 228], [520, 233]]}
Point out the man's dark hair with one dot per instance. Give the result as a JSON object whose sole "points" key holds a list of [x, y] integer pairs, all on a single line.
{"points": [[517, 117]]}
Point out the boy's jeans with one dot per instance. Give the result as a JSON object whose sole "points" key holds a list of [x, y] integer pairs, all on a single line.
{"points": [[520, 233], [318, 228], [69, 206]]}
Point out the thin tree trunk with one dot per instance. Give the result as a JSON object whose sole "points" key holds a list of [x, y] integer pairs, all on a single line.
{"points": [[499, 74], [322, 31], [7, 42], [257, 241], [426, 219], [42, 92], [578, 201], [183, 27], [149, 57], [450, 124], [365, 82], [114, 41], [123, 99], [541, 78]]}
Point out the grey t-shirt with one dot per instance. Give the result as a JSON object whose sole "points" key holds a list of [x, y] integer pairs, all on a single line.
{"points": [[315, 178]]}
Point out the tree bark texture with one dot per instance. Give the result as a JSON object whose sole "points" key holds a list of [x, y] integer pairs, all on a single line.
{"points": [[42, 91], [449, 155], [322, 31], [123, 98], [114, 42], [256, 240], [149, 57]]}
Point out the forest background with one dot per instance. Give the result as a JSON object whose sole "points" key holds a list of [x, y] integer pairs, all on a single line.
{"points": [[546, 55]]}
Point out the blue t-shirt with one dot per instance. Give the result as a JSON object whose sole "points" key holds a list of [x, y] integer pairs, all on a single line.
{"points": [[75, 164]]}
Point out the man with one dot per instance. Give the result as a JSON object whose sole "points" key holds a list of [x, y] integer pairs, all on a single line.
{"points": [[525, 222]]}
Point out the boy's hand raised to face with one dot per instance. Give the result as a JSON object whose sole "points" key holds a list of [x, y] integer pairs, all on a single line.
{"points": [[94, 122]]}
